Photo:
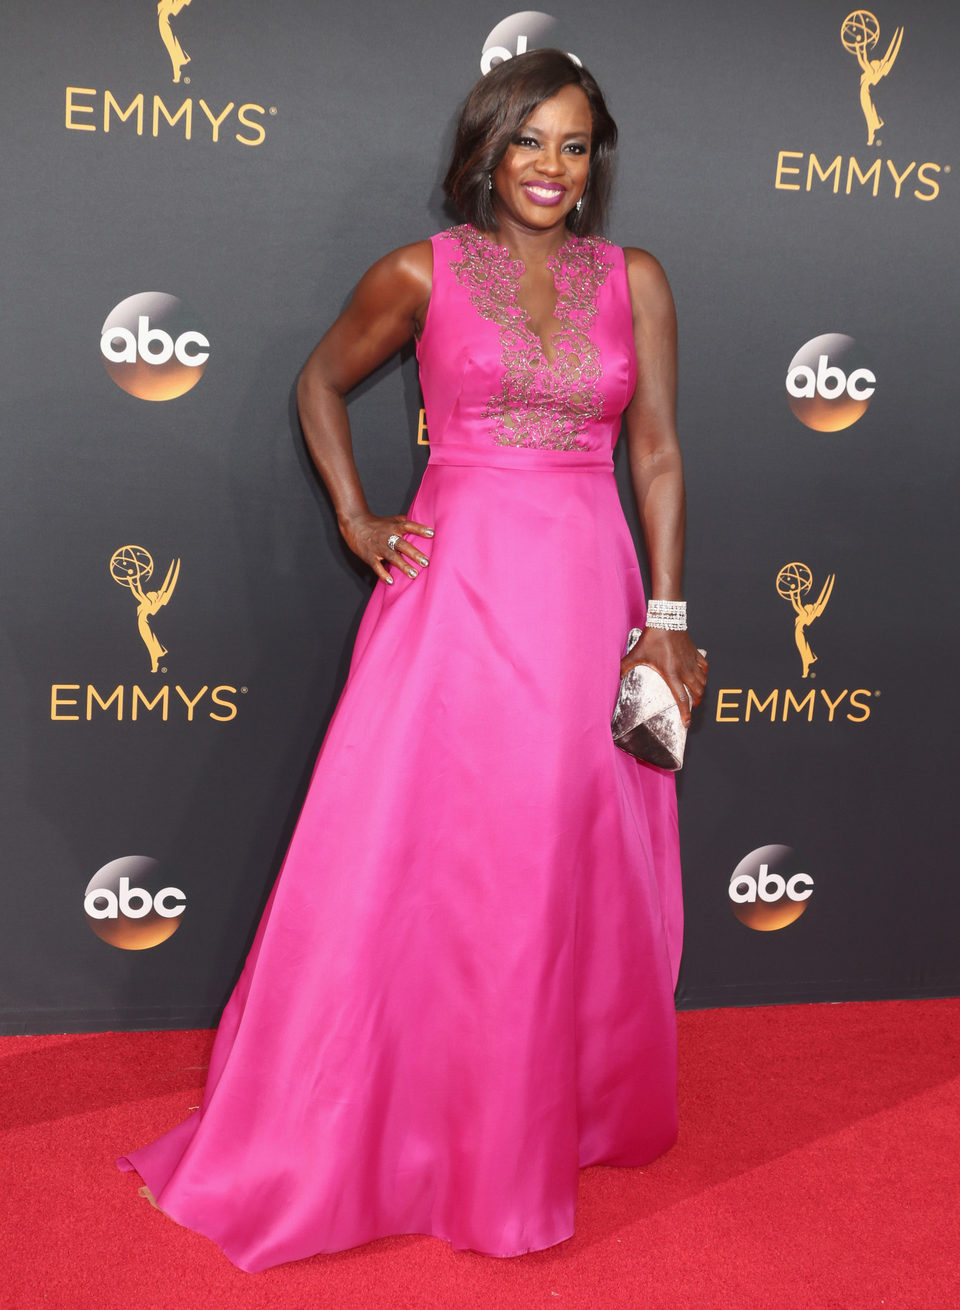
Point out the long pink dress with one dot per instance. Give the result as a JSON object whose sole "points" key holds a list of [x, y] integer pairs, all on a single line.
{"points": [[461, 989]]}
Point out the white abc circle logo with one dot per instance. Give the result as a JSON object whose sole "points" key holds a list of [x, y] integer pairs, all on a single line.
{"points": [[128, 905], [766, 889], [152, 346], [827, 387], [528, 30]]}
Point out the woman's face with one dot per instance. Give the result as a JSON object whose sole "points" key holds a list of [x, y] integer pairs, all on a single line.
{"points": [[544, 171]]}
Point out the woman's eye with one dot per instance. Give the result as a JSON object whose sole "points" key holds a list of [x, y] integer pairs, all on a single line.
{"points": [[526, 141], [576, 148]]}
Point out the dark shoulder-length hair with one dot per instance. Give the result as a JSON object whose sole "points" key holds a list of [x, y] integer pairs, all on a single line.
{"points": [[493, 112]]}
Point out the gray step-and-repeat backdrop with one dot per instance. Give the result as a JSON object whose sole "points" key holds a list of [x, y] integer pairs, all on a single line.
{"points": [[192, 189]]}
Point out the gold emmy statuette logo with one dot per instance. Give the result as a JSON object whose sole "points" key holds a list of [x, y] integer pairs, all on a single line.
{"points": [[860, 33], [793, 582], [830, 169], [156, 701], [131, 567], [146, 113], [806, 703], [167, 9]]}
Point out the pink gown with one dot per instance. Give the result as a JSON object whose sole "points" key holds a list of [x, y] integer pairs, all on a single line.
{"points": [[461, 989]]}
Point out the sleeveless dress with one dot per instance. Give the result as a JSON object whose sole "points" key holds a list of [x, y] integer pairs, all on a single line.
{"points": [[461, 988]]}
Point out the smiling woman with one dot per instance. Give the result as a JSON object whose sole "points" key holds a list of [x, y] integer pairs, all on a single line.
{"points": [[497, 114], [548, 158], [461, 988]]}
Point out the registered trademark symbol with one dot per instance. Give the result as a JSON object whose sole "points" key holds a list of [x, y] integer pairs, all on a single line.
{"points": [[878, 142], [876, 693], [163, 670], [946, 168], [186, 79], [244, 690], [272, 109]]}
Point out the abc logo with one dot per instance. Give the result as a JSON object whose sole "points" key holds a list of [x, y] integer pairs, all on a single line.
{"points": [[767, 891], [151, 346], [827, 387], [529, 30], [127, 904]]}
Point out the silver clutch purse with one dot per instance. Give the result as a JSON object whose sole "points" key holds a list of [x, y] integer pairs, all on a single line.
{"points": [[646, 720]]}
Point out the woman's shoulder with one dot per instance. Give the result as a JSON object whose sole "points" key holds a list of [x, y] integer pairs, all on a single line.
{"points": [[414, 260], [642, 262], [408, 268], [649, 287]]}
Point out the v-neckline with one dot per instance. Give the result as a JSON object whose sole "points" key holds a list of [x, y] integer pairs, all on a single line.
{"points": [[518, 267], [540, 401]]}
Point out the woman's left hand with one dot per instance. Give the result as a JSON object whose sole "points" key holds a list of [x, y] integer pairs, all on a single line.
{"points": [[675, 656]]}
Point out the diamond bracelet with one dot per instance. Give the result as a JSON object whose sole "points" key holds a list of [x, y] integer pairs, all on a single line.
{"points": [[670, 614]]}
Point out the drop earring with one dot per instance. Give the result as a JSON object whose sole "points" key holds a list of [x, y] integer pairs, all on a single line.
{"points": [[489, 181], [579, 205]]}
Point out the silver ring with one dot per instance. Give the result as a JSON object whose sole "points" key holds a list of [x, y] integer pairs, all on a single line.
{"points": [[392, 540]]}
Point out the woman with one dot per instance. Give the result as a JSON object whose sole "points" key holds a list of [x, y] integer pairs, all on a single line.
{"points": [[462, 985]]}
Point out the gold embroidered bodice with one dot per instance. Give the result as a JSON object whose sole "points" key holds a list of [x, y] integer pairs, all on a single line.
{"points": [[542, 403]]}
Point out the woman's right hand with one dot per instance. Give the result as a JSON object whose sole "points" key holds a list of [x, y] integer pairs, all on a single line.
{"points": [[386, 310], [366, 535]]}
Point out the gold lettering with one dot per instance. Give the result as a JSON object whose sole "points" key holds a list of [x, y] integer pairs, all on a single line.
{"points": [[723, 706], [898, 178], [873, 170], [858, 704], [94, 695], [185, 112], [256, 127], [423, 438], [215, 122], [754, 700], [58, 702], [783, 168], [135, 104], [224, 704], [814, 165], [832, 704], [162, 695], [190, 704], [729, 705], [79, 109], [789, 699], [932, 183]]}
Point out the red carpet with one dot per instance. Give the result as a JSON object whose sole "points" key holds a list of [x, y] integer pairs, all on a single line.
{"points": [[818, 1166]]}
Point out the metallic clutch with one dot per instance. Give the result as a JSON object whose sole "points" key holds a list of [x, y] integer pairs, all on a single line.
{"points": [[646, 721]]}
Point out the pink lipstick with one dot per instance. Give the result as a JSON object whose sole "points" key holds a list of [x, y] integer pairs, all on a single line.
{"points": [[544, 193]]}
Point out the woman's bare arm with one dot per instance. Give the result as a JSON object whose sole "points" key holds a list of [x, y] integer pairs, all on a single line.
{"points": [[656, 470], [387, 308]]}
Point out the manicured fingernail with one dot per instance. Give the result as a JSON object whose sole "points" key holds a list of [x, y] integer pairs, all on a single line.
{"points": [[428, 532], [424, 561], [390, 580], [412, 572]]}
